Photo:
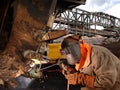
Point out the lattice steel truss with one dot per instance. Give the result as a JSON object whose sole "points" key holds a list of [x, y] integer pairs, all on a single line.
{"points": [[78, 20]]}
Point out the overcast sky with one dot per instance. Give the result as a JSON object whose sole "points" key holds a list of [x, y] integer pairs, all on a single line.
{"points": [[111, 7]]}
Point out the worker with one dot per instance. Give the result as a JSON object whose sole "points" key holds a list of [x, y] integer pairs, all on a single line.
{"points": [[96, 67]]}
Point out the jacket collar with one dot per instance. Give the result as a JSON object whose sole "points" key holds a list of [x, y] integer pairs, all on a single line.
{"points": [[84, 61]]}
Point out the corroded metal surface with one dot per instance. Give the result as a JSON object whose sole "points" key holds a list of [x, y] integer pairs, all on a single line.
{"points": [[21, 39], [39, 9]]}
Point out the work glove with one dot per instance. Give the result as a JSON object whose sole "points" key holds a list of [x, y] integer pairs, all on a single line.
{"points": [[82, 79], [66, 69]]}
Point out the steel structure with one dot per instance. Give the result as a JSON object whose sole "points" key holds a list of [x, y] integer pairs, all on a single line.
{"points": [[78, 20]]}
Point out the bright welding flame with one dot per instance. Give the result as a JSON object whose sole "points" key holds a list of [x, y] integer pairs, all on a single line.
{"points": [[36, 61]]}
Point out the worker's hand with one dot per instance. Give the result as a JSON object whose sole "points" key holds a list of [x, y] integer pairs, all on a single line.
{"points": [[72, 78], [85, 80], [82, 79], [66, 69]]}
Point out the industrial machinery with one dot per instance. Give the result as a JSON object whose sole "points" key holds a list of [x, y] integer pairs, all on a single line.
{"points": [[25, 27], [28, 29], [86, 23]]}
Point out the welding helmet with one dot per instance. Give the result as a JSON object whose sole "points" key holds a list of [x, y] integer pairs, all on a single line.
{"points": [[71, 49]]}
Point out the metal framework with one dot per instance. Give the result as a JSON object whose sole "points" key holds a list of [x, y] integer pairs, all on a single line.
{"points": [[78, 20]]}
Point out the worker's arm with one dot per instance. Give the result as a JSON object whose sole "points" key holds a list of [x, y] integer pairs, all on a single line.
{"points": [[75, 77], [104, 69], [82, 79]]}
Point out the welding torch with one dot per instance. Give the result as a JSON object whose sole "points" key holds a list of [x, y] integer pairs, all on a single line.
{"points": [[66, 69]]}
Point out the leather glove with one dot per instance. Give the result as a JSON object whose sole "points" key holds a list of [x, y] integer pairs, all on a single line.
{"points": [[82, 79], [72, 78], [66, 69]]}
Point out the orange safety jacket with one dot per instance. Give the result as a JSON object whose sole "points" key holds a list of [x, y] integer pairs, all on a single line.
{"points": [[85, 50]]}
